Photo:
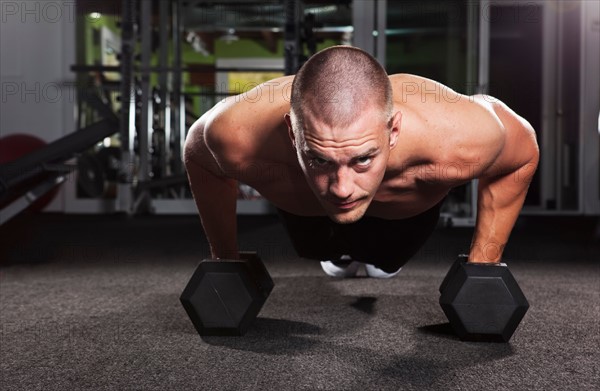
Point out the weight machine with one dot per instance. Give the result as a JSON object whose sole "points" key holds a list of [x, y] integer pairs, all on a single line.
{"points": [[141, 170]]}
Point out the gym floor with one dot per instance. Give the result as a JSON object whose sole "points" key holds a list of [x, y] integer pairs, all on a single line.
{"points": [[92, 302]]}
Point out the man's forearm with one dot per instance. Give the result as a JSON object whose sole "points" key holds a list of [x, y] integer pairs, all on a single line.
{"points": [[500, 201], [492, 228], [216, 200]]}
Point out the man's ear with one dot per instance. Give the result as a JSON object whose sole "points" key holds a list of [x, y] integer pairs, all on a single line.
{"points": [[396, 123], [288, 122]]}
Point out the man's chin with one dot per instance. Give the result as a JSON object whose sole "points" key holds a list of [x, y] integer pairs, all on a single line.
{"points": [[347, 217]]}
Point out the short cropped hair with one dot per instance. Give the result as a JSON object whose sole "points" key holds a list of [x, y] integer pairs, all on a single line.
{"points": [[336, 83]]}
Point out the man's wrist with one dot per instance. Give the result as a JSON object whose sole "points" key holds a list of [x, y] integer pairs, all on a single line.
{"points": [[483, 262], [486, 253]]}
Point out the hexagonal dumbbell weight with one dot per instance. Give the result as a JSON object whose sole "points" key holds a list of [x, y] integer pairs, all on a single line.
{"points": [[483, 302], [224, 296]]}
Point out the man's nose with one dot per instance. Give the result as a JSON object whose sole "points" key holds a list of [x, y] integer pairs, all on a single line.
{"points": [[341, 184]]}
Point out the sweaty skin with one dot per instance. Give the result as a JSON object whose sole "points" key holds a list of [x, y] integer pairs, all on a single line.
{"points": [[437, 140]]}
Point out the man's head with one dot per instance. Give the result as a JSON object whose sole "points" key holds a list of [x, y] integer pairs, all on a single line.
{"points": [[343, 128]]}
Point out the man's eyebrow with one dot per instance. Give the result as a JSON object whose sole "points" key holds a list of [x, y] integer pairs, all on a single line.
{"points": [[368, 152], [308, 151]]}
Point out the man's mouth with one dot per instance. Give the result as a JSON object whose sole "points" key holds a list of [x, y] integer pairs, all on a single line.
{"points": [[345, 205]]}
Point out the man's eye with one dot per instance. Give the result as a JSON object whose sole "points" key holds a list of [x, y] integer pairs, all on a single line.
{"points": [[317, 161], [364, 161]]}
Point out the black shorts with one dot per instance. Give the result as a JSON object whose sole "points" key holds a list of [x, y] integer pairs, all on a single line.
{"points": [[388, 244]]}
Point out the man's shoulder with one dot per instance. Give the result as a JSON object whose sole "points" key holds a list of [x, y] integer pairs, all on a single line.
{"points": [[239, 128], [413, 89], [253, 107], [401, 79]]}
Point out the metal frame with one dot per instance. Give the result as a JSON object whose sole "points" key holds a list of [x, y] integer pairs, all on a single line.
{"points": [[483, 76], [144, 133], [559, 130], [178, 112], [128, 129], [69, 53], [244, 207], [292, 47], [380, 27], [548, 185], [369, 19], [589, 147], [163, 80], [363, 20], [123, 200]]}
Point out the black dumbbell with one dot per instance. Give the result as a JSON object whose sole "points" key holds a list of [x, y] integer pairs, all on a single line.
{"points": [[224, 296], [483, 302], [455, 266]]}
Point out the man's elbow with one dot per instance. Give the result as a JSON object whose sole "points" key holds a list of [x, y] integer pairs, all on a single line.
{"points": [[535, 155], [525, 173], [534, 148]]}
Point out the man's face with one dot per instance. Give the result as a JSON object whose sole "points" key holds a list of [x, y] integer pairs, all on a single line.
{"points": [[345, 166]]}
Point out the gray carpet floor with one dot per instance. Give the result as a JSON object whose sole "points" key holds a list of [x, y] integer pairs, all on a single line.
{"points": [[92, 303]]}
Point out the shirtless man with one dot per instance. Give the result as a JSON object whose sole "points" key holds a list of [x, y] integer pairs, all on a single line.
{"points": [[358, 162]]}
